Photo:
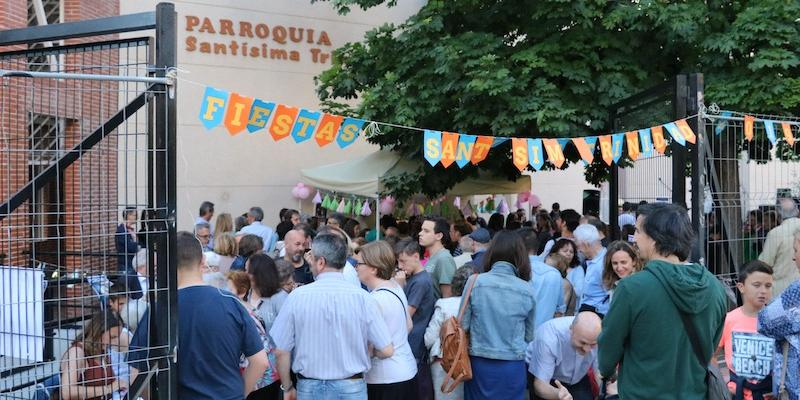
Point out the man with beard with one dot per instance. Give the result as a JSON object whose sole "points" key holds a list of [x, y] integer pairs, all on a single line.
{"points": [[294, 243]]}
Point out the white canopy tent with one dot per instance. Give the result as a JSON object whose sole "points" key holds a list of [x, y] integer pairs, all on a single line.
{"points": [[363, 177]]}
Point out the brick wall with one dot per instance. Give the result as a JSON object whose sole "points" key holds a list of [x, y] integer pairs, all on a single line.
{"points": [[89, 202]]}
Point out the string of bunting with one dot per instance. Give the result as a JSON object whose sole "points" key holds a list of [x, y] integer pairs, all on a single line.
{"points": [[239, 113]]}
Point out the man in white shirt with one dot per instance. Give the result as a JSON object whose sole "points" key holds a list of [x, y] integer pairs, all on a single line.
{"points": [[255, 227], [560, 356]]}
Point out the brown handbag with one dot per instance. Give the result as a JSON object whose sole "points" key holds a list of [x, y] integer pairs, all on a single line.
{"points": [[455, 348]]}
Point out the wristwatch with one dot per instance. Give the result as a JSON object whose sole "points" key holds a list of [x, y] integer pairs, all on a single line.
{"points": [[288, 388]]}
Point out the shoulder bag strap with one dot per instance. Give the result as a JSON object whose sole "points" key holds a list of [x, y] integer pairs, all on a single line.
{"points": [[465, 302], [782, 386], [398, 298], [688, 326]]}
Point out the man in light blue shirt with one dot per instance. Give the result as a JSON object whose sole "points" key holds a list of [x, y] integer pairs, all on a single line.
{"points": [[324, 330], [546, 281], [595, 297], [255, 227]]}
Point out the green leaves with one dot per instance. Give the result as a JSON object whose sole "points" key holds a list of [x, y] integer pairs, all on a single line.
{"points": [[552, 68]]}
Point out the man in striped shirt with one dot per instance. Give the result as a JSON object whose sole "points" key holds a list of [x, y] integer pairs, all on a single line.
{"points": [[329, 325]]}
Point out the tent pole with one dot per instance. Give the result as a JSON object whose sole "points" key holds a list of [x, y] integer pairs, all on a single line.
{"points": [[377, 217]]}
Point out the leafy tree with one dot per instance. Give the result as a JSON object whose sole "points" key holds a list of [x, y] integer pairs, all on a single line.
{"points": [[552, 68]]}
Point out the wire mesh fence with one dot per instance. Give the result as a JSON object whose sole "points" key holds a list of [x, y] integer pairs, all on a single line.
{"points": [[81, 227], [746, 182]]}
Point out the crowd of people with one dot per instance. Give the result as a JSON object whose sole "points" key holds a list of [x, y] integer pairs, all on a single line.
{"points": [[319, 308]]}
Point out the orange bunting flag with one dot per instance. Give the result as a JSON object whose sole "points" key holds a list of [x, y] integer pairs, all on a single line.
{"points": [[519, 152], [481, 148], [787, 133], [238, 113], [606, 149], [554, 153], [686, 131], [659, 142], [328, 127], [748, 127], [283, 121], [586, 153], [449, 144], [632, 140]]}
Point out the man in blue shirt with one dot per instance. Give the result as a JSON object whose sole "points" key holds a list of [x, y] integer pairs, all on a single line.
{"points": [[546, 280], [256, 227], [214, 331], [595, 296]]}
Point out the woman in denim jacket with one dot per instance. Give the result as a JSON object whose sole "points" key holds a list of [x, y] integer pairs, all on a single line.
{"points": [[499, 319]]}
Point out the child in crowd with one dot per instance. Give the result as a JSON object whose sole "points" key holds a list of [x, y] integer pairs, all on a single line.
{"points": [[748, 355], [444, 309]]}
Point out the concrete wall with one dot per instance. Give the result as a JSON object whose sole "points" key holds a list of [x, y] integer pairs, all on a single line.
{"points": [[238, 172]]}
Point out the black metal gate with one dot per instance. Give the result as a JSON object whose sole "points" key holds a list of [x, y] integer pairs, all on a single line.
{"points": [[87, 133], [677, 175]]}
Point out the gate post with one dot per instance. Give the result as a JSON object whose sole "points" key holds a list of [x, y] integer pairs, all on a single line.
{"points": [[695, 99], [166, 316], [679, 155]]}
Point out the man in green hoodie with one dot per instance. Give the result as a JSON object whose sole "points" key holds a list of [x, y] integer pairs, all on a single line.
{"points": [[643, 337]]}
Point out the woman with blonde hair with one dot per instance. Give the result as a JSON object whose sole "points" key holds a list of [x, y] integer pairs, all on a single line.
{"points": [[224, 224], [393, 377], [621, 261], [227, 249]]}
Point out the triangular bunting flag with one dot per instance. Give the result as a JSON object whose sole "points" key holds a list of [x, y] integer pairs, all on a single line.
{"points": [[686, 131], [675, 133], [237, 114], [449, 144], [748, 127], [587, 155], [519, 153], [787, 133], [432, 147], [769, 127], [554, 153], [328, 127], [632, 140], [606, 149], [464, 150], [535, 153], [282, 123], [260, 113], [305, 125], [212, 109], [617, 140], [481, 149], [646, 141], [659, 142]]}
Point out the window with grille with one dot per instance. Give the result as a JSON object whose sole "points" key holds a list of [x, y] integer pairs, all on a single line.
{"points": [[43, 12]]}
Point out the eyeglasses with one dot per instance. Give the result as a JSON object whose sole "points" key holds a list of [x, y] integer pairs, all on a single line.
{"points": [[361, 263]]}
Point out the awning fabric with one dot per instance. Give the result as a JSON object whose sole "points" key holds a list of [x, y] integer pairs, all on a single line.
{"points": [[362, 176]]}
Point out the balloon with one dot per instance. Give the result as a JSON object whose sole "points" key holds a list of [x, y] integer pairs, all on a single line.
{"points": [[535, 201], [301, 191], [524, 197], [387, 205]]}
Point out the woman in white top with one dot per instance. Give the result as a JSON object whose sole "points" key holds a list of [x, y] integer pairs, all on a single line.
{"points": [[445, 308], [394, 377]]}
